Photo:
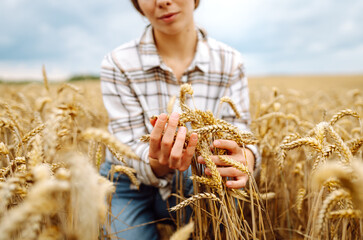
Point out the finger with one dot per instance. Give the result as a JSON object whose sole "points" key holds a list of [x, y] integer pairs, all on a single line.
{"points": [[230, 172], [189, 152], [156, 135], [168, 138], [238, 183], [177, 150], [230, 145]]}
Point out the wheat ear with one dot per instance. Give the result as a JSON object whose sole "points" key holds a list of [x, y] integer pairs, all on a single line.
{"points": [[109, 140], [240, 166], [231, 104], [130, 172], [345, 213], [339, 115], [328, 204], [308, 141], [194, 198]]}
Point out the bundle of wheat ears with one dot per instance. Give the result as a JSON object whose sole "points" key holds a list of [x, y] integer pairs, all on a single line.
{"points": [[52, 142], [218, 210]]}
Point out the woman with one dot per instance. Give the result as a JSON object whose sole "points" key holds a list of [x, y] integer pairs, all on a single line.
{"points": [[138, 79]]}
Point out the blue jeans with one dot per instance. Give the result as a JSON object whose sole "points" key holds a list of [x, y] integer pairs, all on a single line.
{"points": [[133, 211]]}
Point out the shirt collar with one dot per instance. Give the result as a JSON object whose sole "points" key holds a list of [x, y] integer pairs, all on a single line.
{"points": [[151, 59]]}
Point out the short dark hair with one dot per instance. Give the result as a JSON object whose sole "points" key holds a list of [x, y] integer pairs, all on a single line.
{"points": [[136, 5]]}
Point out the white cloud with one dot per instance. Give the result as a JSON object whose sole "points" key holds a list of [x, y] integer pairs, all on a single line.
{"points": [[280, 36]]}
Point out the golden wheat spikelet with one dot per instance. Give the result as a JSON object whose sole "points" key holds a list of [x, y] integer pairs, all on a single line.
{"points": [[145, 138], [130, 172], [109, 140], [342, 147], [300, 199], [345, 213], [206, 117], [35, 156], [267, 196], [355, 144], [32, 133], [328, 204], [239, 194], [204, 151], [238, 165], [206, 181], [42, 199], [7, 123], [240, 137], [194, 198], [99, 155], [71, 87], [3, 149], [343, 113], [41, 102], [10, 114], [307, 141], [231, 104], [351, 178], [185, 89]]}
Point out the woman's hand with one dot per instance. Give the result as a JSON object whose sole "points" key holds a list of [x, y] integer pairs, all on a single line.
{"points": [[243, 155], [164, 153]]}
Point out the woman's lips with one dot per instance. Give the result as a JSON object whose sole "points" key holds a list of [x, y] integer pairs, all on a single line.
{"points": [[169, 17]]}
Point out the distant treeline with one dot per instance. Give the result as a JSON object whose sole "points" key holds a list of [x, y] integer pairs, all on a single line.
{"points": [[83, 77], [74, 78]]}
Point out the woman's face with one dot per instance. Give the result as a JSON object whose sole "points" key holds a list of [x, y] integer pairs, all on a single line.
{"points": [[169, 16]]}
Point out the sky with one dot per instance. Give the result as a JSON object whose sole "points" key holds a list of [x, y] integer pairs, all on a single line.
{"points": [[275, 37]]}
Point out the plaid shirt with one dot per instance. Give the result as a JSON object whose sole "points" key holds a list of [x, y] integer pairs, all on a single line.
{"points": [[136, 84]]}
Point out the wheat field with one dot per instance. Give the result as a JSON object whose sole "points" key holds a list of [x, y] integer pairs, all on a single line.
{"points": [[308, 129]]}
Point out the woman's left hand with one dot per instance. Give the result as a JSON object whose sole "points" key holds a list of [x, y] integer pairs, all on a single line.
{"points": [[243, 155]]}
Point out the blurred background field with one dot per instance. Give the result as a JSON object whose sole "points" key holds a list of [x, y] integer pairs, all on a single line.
{"points": [[308, 83], [42, 124]]}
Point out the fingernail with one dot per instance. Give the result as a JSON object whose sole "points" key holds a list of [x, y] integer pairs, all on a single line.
{"points": [[174, 115], [182, 130], [216, 143], [193, 136], [163, 117]]}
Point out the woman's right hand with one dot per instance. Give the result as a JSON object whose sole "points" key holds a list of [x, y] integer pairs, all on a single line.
{"points": [[165, 154]]}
